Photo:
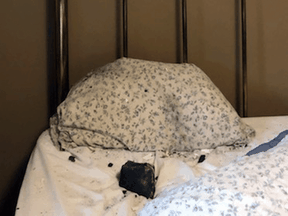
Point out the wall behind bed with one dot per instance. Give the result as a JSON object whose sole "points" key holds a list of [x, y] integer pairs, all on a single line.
{"points": [[23, 91], [213, 38]]}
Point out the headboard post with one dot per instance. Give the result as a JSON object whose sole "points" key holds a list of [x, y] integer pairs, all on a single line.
{"points": [[184, 32], [244, 61], [62, 73], [125, 28]]}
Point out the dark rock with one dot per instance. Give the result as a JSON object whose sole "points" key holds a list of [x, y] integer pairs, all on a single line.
{"points": [[71, 158], [138, 178], [201, 159]]}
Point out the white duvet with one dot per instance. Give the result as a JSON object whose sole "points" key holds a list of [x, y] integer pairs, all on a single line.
{"points": [[55, 185]]}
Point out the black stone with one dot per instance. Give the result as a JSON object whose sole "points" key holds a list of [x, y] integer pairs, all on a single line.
{"points": [[138, 178], [201, 159], [71, 158]]}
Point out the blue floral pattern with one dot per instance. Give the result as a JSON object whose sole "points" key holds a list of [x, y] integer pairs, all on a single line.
{"points": [[250, 186], [147, 106]]}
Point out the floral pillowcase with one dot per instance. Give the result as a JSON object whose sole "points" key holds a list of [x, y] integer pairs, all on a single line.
{"points": [[147, 106]]}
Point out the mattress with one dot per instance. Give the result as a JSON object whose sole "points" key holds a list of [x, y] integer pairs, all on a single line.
{"points": [[85, 182]]}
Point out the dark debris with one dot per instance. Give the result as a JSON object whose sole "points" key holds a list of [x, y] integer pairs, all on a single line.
{"points": [[71, 158], [201, 159]]}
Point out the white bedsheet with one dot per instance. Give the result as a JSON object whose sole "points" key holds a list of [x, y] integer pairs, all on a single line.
{"points": [[54, 185]]}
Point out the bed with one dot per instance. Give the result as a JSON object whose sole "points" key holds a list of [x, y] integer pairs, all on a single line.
{"points": [[170, 122]]}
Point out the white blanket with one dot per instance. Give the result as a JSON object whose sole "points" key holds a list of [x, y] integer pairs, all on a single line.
{"points": [[55, 185]]}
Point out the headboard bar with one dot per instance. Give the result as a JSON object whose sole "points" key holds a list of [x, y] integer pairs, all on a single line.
{"points": [[62, 60], [244, 61], [184, 32], [125, 28]]}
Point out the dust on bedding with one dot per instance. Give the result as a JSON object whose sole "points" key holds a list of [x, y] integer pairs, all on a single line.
{"points": [[171, 170]]}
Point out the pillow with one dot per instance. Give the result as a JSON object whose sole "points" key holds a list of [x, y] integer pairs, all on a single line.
{"points": [[147, 106]]}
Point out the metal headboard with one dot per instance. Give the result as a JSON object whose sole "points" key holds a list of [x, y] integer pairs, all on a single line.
{"points": [[61, 51], [244, 85], [62, 58]]}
